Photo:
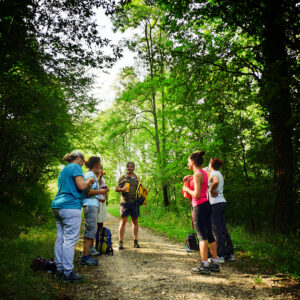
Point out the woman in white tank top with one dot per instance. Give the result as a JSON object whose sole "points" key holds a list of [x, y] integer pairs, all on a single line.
{"points": [[218, 207], [215, 184]]}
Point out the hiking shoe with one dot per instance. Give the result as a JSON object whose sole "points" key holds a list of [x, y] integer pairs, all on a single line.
{"points": [[59, 274], [88, 261], [214, 267], [93, 251], [231, 257], [121, 245], [221, 260], [136, 244], [73, 277], [202, 270]]}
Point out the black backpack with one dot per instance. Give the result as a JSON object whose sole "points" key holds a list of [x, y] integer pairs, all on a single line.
{"points": [[192, 242], [43, 264], [226, 249]]}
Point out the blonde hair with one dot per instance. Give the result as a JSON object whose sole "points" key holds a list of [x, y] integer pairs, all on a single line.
{"points": [[73, 155]]}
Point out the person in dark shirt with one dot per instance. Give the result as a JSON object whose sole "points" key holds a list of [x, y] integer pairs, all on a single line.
{"points": [[127, 186]]}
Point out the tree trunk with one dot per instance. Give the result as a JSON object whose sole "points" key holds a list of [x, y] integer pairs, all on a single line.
{"points": [[150, 53], [277, 100]]}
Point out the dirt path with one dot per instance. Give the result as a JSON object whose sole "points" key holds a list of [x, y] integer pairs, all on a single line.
{"points": [[160, 269]]}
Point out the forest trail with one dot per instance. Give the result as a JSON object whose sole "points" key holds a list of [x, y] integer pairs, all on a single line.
{"points": [[160, 269]]}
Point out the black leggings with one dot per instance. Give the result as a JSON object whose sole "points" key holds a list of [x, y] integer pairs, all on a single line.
{"points": [[219, 229], [202, 222]]}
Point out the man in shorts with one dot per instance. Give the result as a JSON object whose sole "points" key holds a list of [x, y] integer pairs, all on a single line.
{"points": [[127, 186]]}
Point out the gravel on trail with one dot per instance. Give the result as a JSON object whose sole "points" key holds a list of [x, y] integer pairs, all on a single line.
{"points": [[160, 269]]}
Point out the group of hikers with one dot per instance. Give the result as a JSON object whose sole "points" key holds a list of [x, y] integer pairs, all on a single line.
{"points": [[77, 190]]}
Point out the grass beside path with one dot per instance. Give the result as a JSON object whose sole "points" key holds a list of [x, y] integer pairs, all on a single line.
{"points": [[17, 281]]}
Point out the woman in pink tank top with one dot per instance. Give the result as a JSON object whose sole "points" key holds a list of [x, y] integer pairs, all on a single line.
{"points": [[202, 214], [203, 189]]}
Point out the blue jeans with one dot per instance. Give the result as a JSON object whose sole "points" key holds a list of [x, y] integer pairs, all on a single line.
{"points": [[68, 223]]}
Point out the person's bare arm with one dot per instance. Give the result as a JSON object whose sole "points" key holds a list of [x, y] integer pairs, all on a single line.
{"points": [[198, 178], [120, 189], [81, 184], [214, 186], [93, 192]]}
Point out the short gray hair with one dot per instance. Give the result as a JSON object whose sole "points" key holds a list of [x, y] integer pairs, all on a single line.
{"points": [[73, 155]]}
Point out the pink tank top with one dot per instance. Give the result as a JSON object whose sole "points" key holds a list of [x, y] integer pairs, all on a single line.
{"points": [[203, 190]]}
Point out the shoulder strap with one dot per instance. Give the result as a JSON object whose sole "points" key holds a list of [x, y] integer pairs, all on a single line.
{"points": [[139, 184]]}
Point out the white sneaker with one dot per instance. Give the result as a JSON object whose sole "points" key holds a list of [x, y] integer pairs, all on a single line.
{"points": [[221, 260], [93, 251], [231, 257]]}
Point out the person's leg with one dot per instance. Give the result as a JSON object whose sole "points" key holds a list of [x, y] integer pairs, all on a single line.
{"points": [[203, 250], [225, 231], [213, 249], [58, 248], [122, 227], [87, 245], [71, 219], [214, 263], [199, 226], [134, 210], [90, 213], [124, 213], [217, 226], [135, 227], [208, 230]]}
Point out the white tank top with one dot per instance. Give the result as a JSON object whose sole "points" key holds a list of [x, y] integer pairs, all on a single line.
{"points": [[220, 198]]}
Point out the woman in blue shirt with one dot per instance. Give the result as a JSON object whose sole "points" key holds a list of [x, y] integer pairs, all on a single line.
{"points": [[91, 209], [66, 208]]}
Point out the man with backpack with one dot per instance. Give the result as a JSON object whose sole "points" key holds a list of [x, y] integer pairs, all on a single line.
{"points": [[127, 186]]}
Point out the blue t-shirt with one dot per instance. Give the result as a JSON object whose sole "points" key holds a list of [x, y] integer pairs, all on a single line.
{"points": [[91, 200], [68, 195]]}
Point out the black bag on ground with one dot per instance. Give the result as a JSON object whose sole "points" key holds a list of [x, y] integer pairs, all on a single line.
{"points": [[43, 264], [226, 249], [192, 242]]}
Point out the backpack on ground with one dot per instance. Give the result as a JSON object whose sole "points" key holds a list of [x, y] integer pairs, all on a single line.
{"points": [[226, 250], [103, 241], [192, 242], [43, 264]]}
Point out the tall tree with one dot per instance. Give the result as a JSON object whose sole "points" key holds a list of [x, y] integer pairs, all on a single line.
{"points": [[150, 48], [270, 56]]}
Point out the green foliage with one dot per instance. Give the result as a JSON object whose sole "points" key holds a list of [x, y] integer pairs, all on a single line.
{"points": [[28, 207], [43, 91], [270, 251], [182, 104], [206, 73], [237, 40]]}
